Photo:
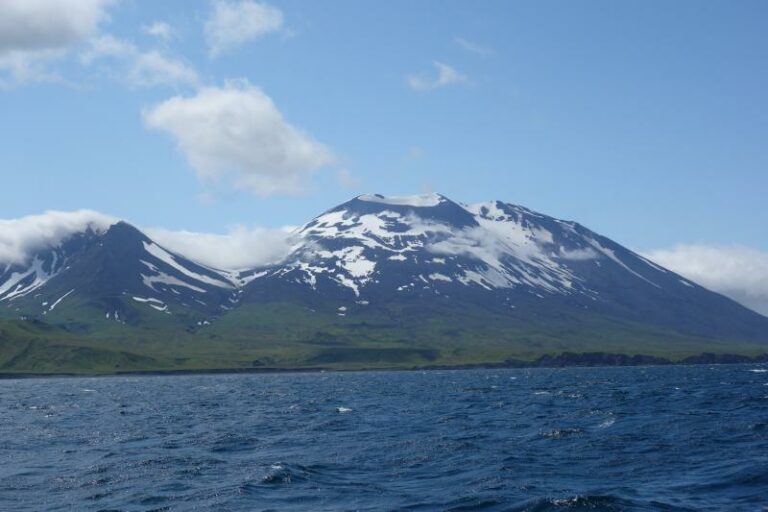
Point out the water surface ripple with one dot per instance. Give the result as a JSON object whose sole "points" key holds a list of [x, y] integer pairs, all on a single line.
{"points": [[610, 439]]}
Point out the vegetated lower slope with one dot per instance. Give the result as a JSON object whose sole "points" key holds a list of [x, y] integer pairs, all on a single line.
{"points": [[37, 347], [376, 281]]}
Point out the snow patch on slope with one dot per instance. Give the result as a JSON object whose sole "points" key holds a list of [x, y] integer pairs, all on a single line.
{"points": [[20, 284], [58, 301], [162, 278], [612, 255], [169, 259]]}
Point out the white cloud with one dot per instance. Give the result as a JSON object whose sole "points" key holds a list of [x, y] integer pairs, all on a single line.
{"points": [[477, 243], [33, 25], [21, 237], [240, 248], [159, 29], [236, 132], [473, 47], [232, 24], [446, 75], [21, 67], [738, 272], [34, 33], [577, 254], [139, 68], [106, 47]]}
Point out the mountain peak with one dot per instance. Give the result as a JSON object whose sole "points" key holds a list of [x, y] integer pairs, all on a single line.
{"points": [[417, 201], [377, 208], [122, 230]]}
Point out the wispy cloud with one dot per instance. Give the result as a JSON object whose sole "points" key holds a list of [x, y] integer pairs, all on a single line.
{"points": [[139, 68], [152, 68], [445, 76], [236, 133], [736, 271], [473, 47], [232, 24]]}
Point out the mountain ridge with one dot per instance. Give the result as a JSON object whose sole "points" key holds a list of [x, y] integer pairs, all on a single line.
{"points": [[422, 279]]}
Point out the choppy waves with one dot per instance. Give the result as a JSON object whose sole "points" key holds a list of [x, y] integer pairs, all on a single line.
{"points": [[597, 439]]}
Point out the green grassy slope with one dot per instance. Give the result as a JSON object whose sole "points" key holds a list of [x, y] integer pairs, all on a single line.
{"points": [[34, 347], [288, 335]]}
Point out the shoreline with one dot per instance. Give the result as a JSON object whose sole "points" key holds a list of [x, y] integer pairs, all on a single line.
{"points": [[563, 360]]}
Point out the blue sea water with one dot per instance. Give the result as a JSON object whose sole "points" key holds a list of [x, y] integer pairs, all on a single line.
{"points": [[604, 439]]}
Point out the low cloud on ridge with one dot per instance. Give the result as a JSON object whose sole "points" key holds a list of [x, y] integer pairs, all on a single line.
{"points": [[21, 237], [738, 272], [240, 247]]}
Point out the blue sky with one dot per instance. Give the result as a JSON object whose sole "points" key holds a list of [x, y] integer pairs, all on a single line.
{"points": [[645, 121]]}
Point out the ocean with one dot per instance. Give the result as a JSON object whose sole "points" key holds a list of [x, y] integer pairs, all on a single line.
{"points": [[600, 439]]}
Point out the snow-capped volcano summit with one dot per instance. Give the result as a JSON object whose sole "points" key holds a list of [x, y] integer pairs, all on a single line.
{"points": [[430, 240], [374, 250]]}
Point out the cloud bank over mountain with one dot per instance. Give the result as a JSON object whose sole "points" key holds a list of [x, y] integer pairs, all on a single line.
{"points": [[736, 271], [21, 237], [240, 247]]}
